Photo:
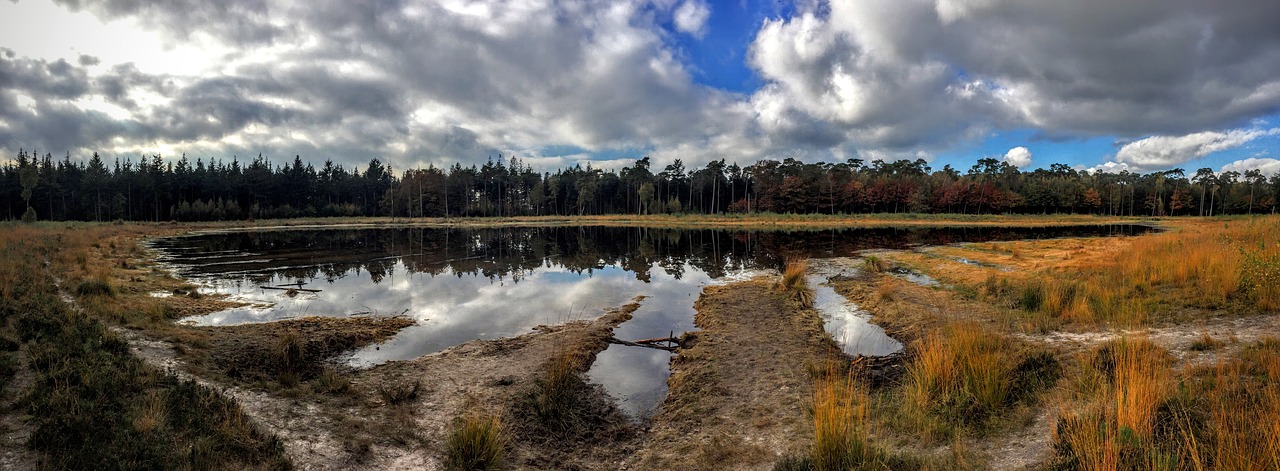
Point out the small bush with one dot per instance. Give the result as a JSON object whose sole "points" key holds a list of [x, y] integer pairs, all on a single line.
{"points": [[399, 393], [476, 443], [96, 288]]}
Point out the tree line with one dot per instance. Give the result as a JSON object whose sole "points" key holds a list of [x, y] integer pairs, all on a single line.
{"points": [[152, 189]]}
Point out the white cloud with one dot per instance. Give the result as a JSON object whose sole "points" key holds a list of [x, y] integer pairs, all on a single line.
{"points": [[1167, 151], [691, 17], [1110, 167], [1018, 157], [1266, 166]]}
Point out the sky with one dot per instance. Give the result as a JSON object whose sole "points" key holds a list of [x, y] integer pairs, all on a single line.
{"points": [[1095, 84]]}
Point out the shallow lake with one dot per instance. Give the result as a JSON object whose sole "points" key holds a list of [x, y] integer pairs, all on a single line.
{"points": [[467, 284]]}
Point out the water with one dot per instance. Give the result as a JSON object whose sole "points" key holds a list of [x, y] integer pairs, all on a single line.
{"points": [[848, 325], [466, 284]]}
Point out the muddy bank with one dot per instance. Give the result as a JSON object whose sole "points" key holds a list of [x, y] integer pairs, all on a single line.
{"points": [[738, 396], [299, 349]]}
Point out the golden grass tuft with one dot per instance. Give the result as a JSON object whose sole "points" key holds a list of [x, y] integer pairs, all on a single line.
{"points": [[477, 442], [963, 366], [794, 285], [1119, 424], [874, 264], [558, 401], [840, 406]]}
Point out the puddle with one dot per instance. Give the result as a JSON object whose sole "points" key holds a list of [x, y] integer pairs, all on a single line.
{"points": [[847, 324], [467, 284], [913, 276]]}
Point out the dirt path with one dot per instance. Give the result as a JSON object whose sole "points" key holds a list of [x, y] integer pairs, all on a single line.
{"points": [[14, 429], [738, 396]]}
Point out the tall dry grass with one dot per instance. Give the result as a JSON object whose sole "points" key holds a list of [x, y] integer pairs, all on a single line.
{"points": [[965, 375], [476, 443], [793, 284], [962, 368], [840, 424], [1127, 413], [1239, 426], [1208, 264]]}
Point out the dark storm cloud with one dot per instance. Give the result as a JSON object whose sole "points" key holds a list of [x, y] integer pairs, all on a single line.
{"points": [[38, 78]]}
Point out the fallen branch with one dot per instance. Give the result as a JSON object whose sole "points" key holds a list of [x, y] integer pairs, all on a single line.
{"points": [[308, 290], [643, 344]]}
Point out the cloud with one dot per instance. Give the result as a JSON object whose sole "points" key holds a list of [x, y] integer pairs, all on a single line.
{"points": [[441, 81], [417, 82], [1018, 157], [691, 17], [925, 74], [1158, 152], [1110, 167], [1267, 166]]}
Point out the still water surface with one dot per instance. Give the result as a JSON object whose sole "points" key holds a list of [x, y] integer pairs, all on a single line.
{"points": [[466, 284]]}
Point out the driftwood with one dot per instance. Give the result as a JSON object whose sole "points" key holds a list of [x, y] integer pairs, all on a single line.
{"points": [[306, 290], [652, 344], [672, 343]]}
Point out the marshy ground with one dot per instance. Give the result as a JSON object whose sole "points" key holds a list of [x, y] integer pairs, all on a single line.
{"points": [[1141, 352]]}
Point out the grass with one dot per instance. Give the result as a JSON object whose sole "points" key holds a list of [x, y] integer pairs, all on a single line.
{"points": [[95, 288], [91, 403], [558, 402], [476, 443], [964, 376], [874, 264], [399, 393], [1129, 416], [793, 284], [840, 425], [1206, 343], [1233, 264]]}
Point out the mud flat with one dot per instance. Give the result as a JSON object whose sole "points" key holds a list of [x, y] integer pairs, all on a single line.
{"points": [[738, 396]]}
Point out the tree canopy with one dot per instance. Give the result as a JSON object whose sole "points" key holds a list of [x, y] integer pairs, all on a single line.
{"points": [[153, 189]]}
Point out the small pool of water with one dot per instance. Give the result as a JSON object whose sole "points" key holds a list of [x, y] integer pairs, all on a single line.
{"points": [[914, 276]]}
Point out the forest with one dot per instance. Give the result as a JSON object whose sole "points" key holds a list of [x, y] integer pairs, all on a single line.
{"points": [[34, 187]]}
